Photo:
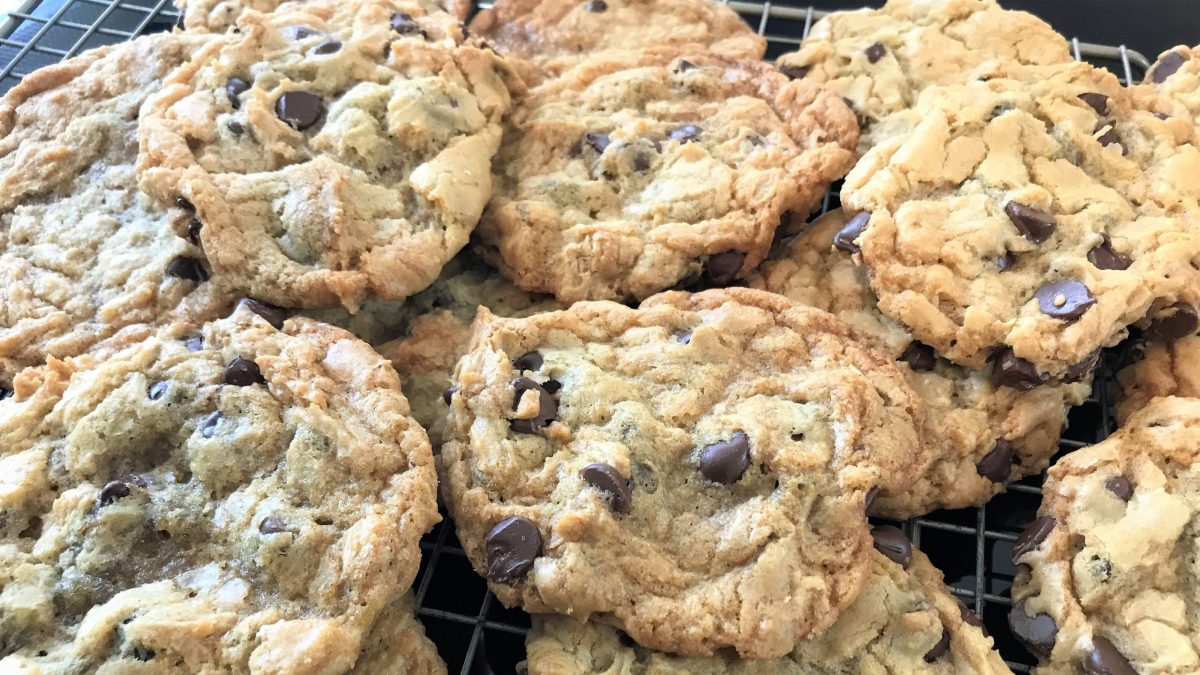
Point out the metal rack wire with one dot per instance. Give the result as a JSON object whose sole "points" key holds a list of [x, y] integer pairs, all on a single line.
{"points": [[473, 631]]}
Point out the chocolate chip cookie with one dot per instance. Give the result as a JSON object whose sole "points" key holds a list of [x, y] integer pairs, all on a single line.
{"points": [[1028, 219], [233, 498], [693, 472], [881, 59], [397, 644], [634, 173], [84, 255], [1172, 85], [552, 35], [218, 16], [982, 435], [328, 160], [904, 621], [1107, 573]]}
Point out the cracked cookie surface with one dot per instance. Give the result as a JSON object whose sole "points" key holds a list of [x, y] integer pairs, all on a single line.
{"points": [[694, 471], [218, 16]]}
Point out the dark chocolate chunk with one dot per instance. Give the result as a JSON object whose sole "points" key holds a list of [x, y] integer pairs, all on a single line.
{"points": [[726, 461], [1104, 257], [552, 386], [298, 32], [272, 525], [844, 239], [157, 390], [919, 356], [596, 140], [617, 488], [114, 490], [185, 204], [969, 617], [448, 395], [327, 47], [547, 407], [183, 267], [722, 268], [1167, 66], [208, 426], [1010, 370], [686, 133], [1109, 137], [143, 653], [512, 546], [875, 52], [236, 127], [234, 88], [1064, 299], [1033, 224], [1078, 371], [274, 314], [939, 649], [795, 72], [597, 6], [1121, 487], [1038, 632], [997, 464], [1032, 536], [869, 501], [193, 230], [403, 23], [243, 372], [1176, 321], [891, 542], [1106, 659], [299, 109], [194, 343], [1006, 261], [1097, 102], [684, 66], [528, 361]]}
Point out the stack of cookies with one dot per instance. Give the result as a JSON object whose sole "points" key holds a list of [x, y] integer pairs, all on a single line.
{"points": [[277, 280]]}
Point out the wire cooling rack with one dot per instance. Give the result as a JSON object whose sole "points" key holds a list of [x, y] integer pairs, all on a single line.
{"points": [[474, 632]]}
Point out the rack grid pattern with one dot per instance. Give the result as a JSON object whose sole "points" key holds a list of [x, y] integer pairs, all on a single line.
{"points": [[474, 632]]}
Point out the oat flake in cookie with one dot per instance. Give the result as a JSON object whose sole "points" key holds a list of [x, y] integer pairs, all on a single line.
{"points": [[328, 160], [1108, 580], [693, 472], [982, 435], [1028, 220], [231, 499], [633, 173], [218, 16], [904, 621], [552, 35], [69, 198]]}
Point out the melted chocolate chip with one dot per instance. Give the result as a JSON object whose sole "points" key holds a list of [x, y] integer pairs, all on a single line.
{"points": [[686, 133], [1038, 632], [183, 267], [528, 361], [596, 140], [795, 72], [1121, 487], [512, 546], [608, 480], [971, 618], [869, 501], [722, 268], [726, 461], [1109, 137], [242, 372], [875, 52], [1033, 224], [272, 525], [448, 395], [185, 204], [547, 407], [208, 426], [327, 47], [997, 464], [299, 109], [939, 649], [274, 314], [1010, 370], [234, 88], [193, 230], [1167, 66], [114, 490], [853, 229], [1178, 320], [1064, 299], [1104, 257], [1106, 659], [1032, 536], [1078, 371], [403, 23], [1097, 102], [919, 356], [597, 6], [552, 386], [891, 542], [157, 390]]}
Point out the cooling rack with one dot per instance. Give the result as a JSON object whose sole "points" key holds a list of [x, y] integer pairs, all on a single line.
{"points": [[477, 635]]}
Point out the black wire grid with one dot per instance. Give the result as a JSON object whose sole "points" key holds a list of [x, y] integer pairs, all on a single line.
{"points": [[477, 635]]}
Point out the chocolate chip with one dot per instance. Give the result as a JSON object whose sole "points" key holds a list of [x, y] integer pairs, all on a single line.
{"points": [[157, 390], [403, 23], [919, 356], [875, 52], [1105, 258], [722, 268], [686, 133], [726, 461], [608, 480], [528, 361], [997, 464], [1176, 321], [597, 6], [795, 72], [1106, 659], [243, 373], [1097, 101], [272, 525], [448, 395], [236, 127], [512, 545], [1010, 370], [327, 47], [547, 407], [298, 32], [853, 229], [1065, 299], [1121, 487], [1006, 261], [552, 386], [971, 618], [113, 491], [1032, 536], [208, 426], [193, 230], [234, 88], [872, 495], [1033, 224], [183, 267], [1109, 137], [143, 653], [1167, 66], [684, 337], [274, 314], [942, 646], [1038, 632], [684, 66], [1078, 371], [1162, 116], [891, 542], [185, 204], [597, 141], [194, 343], [299, 109]]}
